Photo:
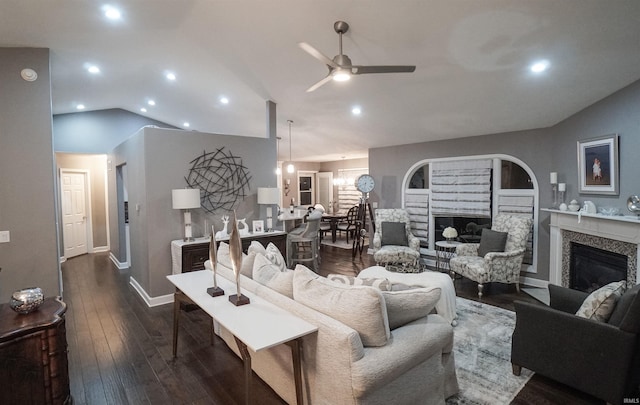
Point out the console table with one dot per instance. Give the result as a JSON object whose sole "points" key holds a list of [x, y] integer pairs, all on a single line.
{"points": [[255, 326], [190, 256], [33, 355]]}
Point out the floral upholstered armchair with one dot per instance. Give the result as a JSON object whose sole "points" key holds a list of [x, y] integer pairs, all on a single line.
{"points": [[499, 265], [393, 241]]}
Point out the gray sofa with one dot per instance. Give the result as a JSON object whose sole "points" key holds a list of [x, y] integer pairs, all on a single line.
{"points": [[415, 366]]}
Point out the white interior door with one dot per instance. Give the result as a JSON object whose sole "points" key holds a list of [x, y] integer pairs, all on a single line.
{"points": [[325, 190], [74, 213]]}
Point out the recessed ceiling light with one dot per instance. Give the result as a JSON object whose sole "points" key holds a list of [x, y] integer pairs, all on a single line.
{"points": [[224, 100], [186, 125], [540, 66], [151, 102], [112, 13], [170, 76], [80, 107], [356, 110], [93, 69], [143, 109]]}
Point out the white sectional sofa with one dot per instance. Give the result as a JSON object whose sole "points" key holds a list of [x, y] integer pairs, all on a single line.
{"points": [[411, 364]]}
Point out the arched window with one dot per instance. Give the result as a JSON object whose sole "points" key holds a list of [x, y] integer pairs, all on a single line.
{"points": [[444, 191]]}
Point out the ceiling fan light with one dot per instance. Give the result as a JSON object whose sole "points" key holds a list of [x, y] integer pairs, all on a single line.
{"points": [[341, 75]]}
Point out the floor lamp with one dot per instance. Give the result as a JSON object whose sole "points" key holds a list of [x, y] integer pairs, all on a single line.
{"points": [[269, 196], [186, 199]]}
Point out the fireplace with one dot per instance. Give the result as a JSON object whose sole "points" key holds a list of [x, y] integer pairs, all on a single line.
{"points": [[469, 229], [617, 234], [591, 268]]}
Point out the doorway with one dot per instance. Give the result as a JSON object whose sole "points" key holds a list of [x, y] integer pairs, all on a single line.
{"points": [[75, 224], [325, 190]]}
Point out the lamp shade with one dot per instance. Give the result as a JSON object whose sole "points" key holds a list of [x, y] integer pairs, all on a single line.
{"points": [[185, 198], [268, 195]]}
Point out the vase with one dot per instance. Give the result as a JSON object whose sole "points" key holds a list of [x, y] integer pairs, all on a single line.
{"points": [[235, 252], [26, 300], [214, 291]]}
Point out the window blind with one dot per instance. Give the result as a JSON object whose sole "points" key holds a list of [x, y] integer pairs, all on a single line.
{"points": [[461, 188]]}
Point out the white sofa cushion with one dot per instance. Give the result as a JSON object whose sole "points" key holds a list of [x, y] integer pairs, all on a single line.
{"points": [[405, 306], [270, 275], [224, 258], [359, 307]]}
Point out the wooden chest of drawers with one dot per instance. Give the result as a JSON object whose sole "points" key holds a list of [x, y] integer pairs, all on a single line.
{"points": [[33, 355]]}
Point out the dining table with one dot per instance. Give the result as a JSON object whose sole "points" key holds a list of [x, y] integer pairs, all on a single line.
{"points": [[334, 219]]}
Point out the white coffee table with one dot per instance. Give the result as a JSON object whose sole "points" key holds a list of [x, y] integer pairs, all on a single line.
{"points": [[256, 326]]}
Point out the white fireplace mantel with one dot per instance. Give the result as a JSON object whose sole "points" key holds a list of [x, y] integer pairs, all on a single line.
{"points": [[620, 228]]}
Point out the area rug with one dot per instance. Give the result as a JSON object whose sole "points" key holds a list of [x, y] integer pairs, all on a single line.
{"points": [[482, 349]]}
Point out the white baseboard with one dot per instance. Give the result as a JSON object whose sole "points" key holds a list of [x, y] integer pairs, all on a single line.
{"points": [[100, 249], [534, 282], [150, 301], [118, 263]]}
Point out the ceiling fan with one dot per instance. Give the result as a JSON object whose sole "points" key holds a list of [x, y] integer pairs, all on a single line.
{"points": [[340, 67]]}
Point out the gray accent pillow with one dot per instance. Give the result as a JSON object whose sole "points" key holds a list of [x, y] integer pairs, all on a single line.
{"points": [[492, 241], [408, 305], [394, 233]]}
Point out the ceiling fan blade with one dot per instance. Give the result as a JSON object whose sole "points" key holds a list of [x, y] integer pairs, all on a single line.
{"points": [[317, 54], [360, 70], [320, 83]]}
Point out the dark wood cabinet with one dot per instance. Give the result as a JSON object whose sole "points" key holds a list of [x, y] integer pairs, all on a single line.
{"points": [[195, 254], [33, 355]]}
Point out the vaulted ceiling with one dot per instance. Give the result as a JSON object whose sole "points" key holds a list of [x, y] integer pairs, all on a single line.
{"points": [[472, 62]]}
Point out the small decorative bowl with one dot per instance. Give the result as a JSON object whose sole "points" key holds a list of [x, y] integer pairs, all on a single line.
{"points": [[574, 207], [609, 210], [27, 300]]}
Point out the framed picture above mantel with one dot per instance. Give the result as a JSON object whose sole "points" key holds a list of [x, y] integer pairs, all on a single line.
{"points": [[598, 167]]}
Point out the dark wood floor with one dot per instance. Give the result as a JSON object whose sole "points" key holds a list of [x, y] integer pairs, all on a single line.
{"points": [[120, 349]]}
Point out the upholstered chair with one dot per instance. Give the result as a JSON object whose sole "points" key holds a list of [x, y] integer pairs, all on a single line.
{"points": [[600, 357], [393, 241], [494, 266]]}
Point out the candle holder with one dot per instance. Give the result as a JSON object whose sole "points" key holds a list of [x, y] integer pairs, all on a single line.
{"points": [[554, 187]]}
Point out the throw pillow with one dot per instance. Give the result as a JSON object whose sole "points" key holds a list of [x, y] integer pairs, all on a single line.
{"points": [[394, 233], [274, 255], [492, 241], [380, 283], [269, 275], [361, 308], [600, 304], [626, 314], [224, 259], [405, 306]]}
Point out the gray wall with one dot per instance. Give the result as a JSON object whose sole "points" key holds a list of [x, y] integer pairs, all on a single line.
{"points": [[544, 150], [27, 193], [97, 131], [157, 161]]}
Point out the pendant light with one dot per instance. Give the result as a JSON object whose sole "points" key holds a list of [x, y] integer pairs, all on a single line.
{"points": [[290, 167], [278, 170]]}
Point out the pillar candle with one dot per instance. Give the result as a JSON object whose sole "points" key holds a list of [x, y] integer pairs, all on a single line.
{"points": [[562, 186], [554, 178]]}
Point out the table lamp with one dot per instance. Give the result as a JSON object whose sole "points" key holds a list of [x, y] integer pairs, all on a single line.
{"points": [[186, 199], [269, 196]]}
